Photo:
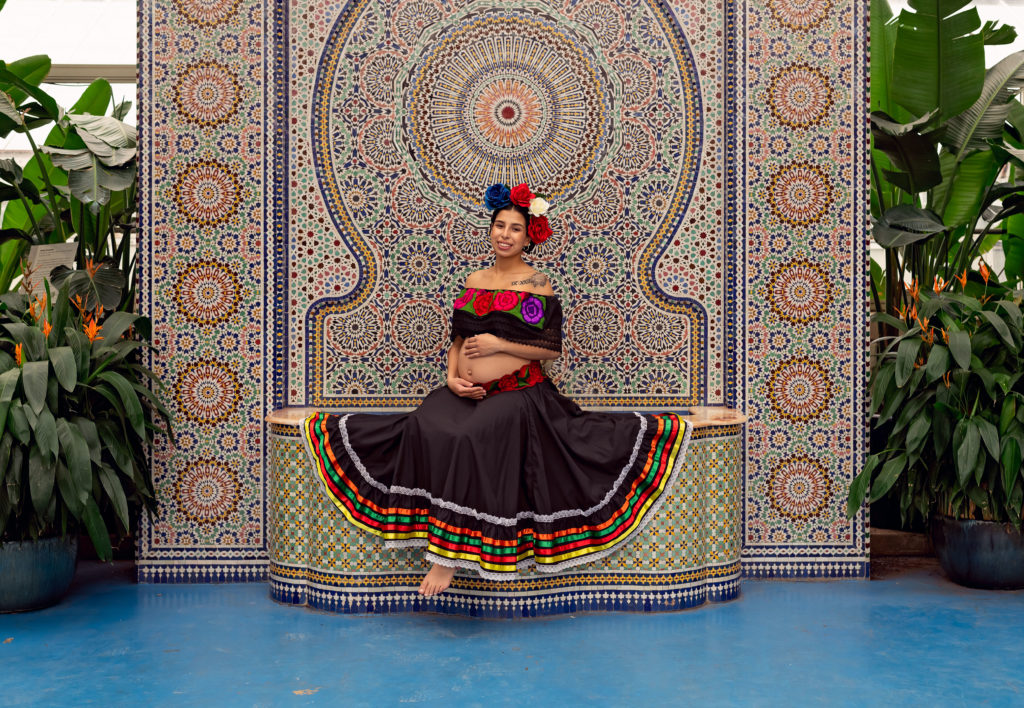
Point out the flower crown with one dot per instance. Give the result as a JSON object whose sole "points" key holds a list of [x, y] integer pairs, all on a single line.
{"points": [[499, 196]]}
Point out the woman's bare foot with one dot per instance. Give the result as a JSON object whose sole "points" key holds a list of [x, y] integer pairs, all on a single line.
{"points": [[437, 580]]}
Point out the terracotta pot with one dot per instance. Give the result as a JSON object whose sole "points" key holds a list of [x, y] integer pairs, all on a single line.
{"points": [[979, 554], [36, 574]]}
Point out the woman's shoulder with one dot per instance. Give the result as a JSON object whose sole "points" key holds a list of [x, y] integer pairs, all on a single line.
{"points": [[537, 283]]}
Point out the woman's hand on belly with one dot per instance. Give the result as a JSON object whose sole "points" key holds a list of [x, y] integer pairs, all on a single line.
{"points": [[481, 345], [465, 389]]}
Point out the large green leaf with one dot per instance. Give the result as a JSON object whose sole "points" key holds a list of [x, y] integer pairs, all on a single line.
{"points": [[984, 120], [14, 85], [31, 70], [115, 492], [905, 357], [963, 186], [34, 375], [905, 224], [114, 326], [1010, 460], [92, 438], [76, 454], [63, 360], [105, 129], [8, 383], [938, 362], [960, 346], [939, 59], [68, 491], [46, 434], [95, 99], [1000, 327], [891, 471], [966, 446], [989, 436], [912, 154], [98, 533], [130, 399], [859, 487], [41, 477]]}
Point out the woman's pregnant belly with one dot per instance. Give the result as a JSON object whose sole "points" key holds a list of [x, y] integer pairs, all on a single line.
{"points": [[487, 368]]}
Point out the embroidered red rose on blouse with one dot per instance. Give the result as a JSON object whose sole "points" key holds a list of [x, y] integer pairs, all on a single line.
{"points": [[507, 383], [521, 195], [482, 303], [506, 300]]}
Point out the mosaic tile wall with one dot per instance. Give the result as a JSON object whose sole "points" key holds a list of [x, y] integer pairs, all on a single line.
{"points": [[310, 210]]}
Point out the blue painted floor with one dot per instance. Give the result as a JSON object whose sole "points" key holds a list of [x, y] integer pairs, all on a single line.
{"points": [[913, 639]]}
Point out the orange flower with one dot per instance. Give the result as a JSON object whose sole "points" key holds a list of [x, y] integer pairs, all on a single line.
{"points": [[984, 272], [946, 378], [928, 336], [90, 268], [47, 328], [903, 312], [962, 279], [79, 305], [945, 335], [939, 285], [91, 329], [913, 312], [17, 354], [915, 289]]}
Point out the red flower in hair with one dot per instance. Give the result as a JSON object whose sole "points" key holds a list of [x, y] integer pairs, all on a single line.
{"points": [[482, 304], [539, 230], [521, 195]]}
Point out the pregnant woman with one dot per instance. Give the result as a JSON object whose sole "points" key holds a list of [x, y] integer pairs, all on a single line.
{"points": [[497, 471]]}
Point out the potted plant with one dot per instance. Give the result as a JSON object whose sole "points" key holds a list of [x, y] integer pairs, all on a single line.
{"points": [[952, 383], [75, 429]]}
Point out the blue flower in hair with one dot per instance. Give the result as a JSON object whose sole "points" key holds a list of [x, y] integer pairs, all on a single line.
{"points": [[498, 196]]}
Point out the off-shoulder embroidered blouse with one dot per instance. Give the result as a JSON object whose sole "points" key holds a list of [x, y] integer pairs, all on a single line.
{"points": [[515, 315]]}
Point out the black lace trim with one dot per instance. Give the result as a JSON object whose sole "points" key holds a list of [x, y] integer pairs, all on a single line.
{"points": [[506, 326]]}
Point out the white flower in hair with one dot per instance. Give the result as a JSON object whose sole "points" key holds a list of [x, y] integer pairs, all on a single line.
{"points": [[538, 207]]}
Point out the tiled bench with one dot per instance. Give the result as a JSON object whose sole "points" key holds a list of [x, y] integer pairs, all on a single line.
{"points": [[687, 555]]}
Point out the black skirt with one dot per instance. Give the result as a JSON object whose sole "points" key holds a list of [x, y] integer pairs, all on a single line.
{"points": [[519, 479]]}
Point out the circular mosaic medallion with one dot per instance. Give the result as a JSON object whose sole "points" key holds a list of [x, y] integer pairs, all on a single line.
{"points": [[207, 93], [419, 328], [417, 264], [356, 333], [355, 380], [799, 193], [596, 265], [799, 15], [362, 197], [593, 380], [800, 292], [207, 193], [659, 380], [656, 332], [417, 381], [207, 391], [483, 109], [207, 491], [595, 327], [799, 96], [208, 13], [799, 389], [412, 17], [799, 488], [207, 292]]}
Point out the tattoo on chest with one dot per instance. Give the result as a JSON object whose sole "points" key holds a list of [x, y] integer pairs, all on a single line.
{"points": [[537, 280]]}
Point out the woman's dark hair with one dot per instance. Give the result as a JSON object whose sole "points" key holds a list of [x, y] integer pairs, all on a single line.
{"points": [[526, 215]]}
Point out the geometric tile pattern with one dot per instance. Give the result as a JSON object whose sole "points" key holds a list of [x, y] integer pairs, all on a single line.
{"points": [[280, 266], [686, 555]]}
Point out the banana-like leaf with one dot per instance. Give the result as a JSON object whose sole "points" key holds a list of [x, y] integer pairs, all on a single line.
{"points": [[31, 70], [75, 452], [33, 379], [94, 100], [912, 154], [939, 60], [9, 109], [69, 160], [984, 119], [905, 224], [966, 182], [106, 129], [992, 33], [16, 86]]}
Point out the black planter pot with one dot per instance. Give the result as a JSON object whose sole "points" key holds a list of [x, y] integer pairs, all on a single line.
{"points": [[979, 554], [36, 574]]}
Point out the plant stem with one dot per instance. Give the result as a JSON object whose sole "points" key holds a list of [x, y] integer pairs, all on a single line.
{"points": [[52, 207]]}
